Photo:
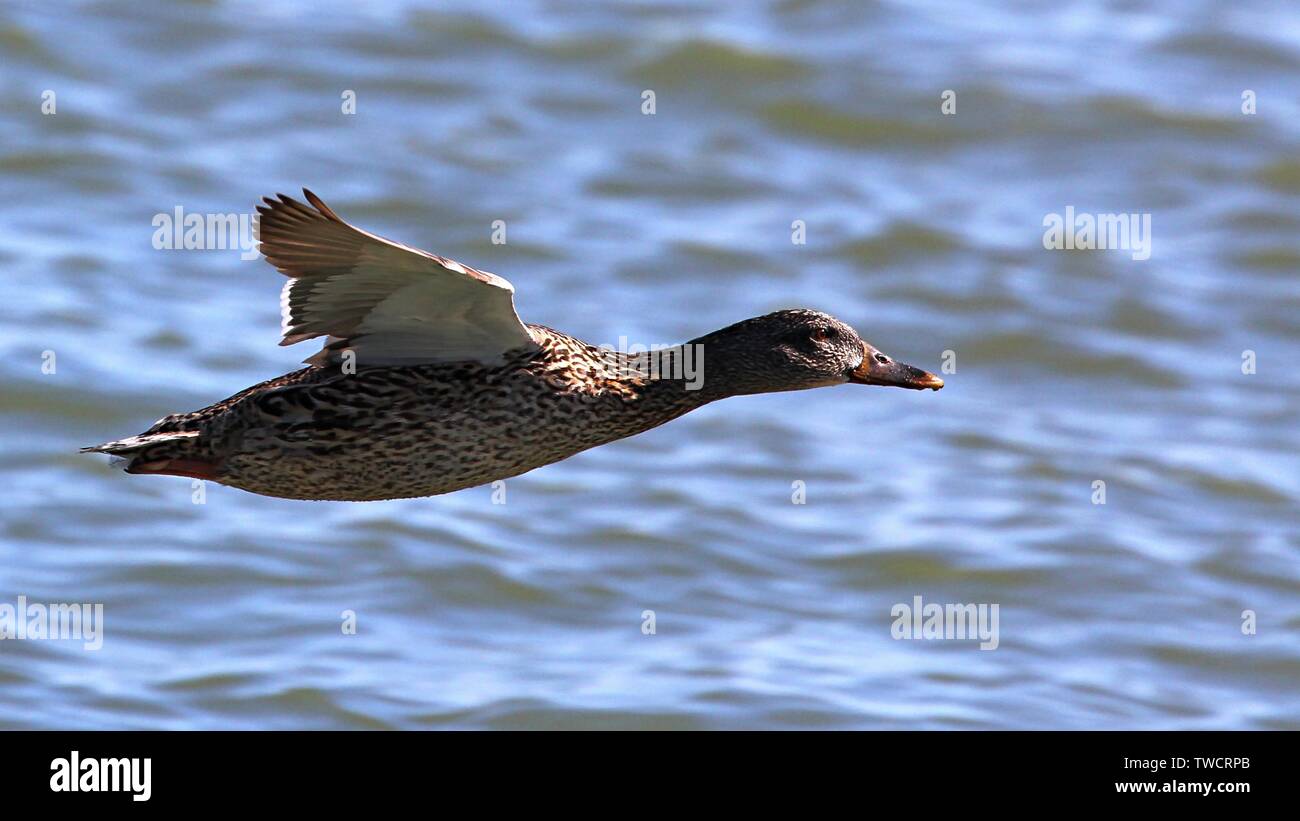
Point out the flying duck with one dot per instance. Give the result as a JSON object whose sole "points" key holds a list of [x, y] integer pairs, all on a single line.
{"points": [[428, 381]]}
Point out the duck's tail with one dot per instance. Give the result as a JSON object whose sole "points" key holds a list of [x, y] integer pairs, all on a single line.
{"points": [[173, 454]]}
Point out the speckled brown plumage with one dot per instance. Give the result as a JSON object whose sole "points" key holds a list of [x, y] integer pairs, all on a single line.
{"points": [[395, 432]]}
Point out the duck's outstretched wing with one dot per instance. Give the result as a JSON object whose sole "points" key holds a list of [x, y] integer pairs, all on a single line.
{"points": [[388, 303]]}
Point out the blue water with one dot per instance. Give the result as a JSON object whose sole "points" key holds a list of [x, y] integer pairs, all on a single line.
{"points": [[924, 231]]}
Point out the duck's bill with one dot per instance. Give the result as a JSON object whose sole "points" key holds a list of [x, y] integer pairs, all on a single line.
{"points": [[895, 374]]}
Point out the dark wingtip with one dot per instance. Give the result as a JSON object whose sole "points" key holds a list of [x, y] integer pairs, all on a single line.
{"points": [[319, 205]]}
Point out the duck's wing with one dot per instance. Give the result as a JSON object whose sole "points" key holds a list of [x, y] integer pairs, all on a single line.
{"points": [[388, 303]]}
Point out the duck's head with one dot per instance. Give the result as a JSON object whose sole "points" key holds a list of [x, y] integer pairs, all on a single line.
{"points": [[798, 349]]}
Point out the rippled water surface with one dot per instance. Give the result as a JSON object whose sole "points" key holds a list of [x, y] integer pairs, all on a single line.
{"points": [[923, 230]]}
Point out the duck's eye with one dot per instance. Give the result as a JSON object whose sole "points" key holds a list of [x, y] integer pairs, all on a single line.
{"points": [[823, 334], [882, 359]]}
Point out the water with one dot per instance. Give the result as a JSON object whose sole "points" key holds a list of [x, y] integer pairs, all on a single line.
{"points": [[924, 231]]}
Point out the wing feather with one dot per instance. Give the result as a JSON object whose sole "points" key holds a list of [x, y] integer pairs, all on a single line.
{"points": [[389, 303]]}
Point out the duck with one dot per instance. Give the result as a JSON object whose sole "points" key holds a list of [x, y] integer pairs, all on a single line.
{"points": [[428, 382]]}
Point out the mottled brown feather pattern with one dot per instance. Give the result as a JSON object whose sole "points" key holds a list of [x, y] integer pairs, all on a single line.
{"points": [[396, 432]]}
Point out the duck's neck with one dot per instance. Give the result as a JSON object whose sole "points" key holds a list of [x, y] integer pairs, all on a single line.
{"points": [[648, 388], [676, 375], [675, 380]]}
